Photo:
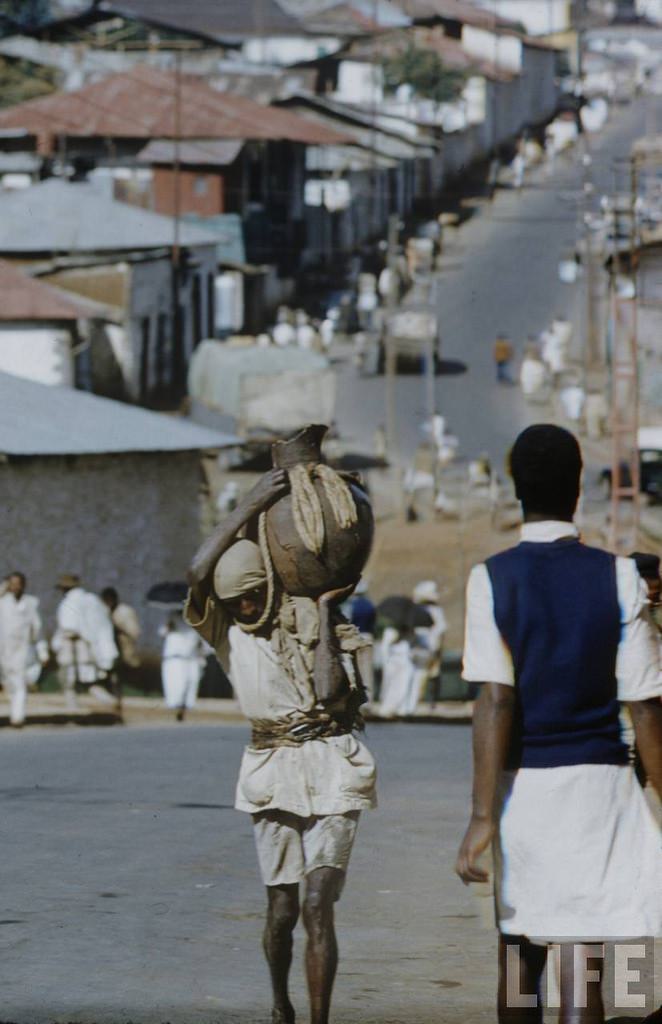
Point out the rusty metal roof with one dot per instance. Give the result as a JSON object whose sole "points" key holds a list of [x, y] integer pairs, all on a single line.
{"points": [[24, 298], [142, 103], [203, 153]]}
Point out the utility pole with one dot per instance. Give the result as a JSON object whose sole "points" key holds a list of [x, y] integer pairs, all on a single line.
{"points": [[390, 353], [625, 472], [177, 325]]}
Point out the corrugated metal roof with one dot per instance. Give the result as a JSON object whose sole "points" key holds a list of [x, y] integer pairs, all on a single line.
{"points": [[456, 10], [36, 419], [216, 19], [354, 17], [206, 152], [24, 298], [142, 104], [58, 216]]}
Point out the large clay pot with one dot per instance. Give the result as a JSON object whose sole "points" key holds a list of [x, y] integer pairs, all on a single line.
{"points": [[345, 550]]}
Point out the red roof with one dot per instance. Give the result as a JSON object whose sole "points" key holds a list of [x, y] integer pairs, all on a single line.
{"points": [[141, 104], [24, 298]]}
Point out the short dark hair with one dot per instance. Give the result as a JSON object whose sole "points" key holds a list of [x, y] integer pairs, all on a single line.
{"points": [[19, 575], [110, 594], [546, 467], [648, 564]]}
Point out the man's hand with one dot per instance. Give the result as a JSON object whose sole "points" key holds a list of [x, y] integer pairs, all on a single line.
{"points": [[477, 839], [332, 597], [269, 487]]}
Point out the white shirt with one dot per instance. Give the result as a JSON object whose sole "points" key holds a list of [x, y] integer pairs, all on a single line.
{"points": [[20, 631], [487, 658], [326, 776]]}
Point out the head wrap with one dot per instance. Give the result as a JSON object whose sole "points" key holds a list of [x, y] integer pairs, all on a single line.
{"points": [[240, 570], [426, 592]]}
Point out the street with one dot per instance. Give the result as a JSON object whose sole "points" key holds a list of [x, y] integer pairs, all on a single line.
{"points": [[500, 274], [131, 892]]}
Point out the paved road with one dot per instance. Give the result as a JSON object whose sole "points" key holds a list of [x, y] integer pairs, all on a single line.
{"points": [[501, 274], [130, 888]]}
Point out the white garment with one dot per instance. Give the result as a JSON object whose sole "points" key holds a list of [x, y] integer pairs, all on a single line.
{"points": [[400, 677], [182, 665], [284, 334], [84, 640], [21, 648], [572, 401], [531, 375], [326, 776], [578, 854]]}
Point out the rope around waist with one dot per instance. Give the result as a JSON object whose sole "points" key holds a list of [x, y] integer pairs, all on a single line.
{"points": [[266, 735]]}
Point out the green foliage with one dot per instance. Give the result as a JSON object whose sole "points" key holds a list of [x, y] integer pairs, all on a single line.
{"points": [[424, 70], [22, 80]]}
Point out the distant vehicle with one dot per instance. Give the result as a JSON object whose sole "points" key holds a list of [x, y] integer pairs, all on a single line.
{"points": [[650, 466]]}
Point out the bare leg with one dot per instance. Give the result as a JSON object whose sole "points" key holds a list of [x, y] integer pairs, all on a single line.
{"points": [[282, 916], [322, 948], [588, 991], [520, 972]]}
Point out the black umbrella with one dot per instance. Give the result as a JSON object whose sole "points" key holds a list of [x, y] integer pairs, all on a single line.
{"points": [[167, 595], [403, 613]]}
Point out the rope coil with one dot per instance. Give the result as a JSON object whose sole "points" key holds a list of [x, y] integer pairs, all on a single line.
{"points": [[307, 507]]}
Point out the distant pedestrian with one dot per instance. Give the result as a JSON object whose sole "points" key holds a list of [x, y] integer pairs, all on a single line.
{"points": [[532, 371], [400, 680], [503, 354], [431, 640], [596, 413], [127, 634], [518, 165], [182, 665], [84, 642], [22, 647]]}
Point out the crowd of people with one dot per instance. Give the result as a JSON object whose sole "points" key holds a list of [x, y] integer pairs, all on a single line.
{"points": [[94, 647]]}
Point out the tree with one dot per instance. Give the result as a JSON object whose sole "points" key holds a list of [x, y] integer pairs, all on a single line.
{"points": [[425, 72]]}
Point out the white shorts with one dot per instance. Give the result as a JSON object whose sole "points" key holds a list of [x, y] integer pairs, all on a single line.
{"points": [[289, 847]]}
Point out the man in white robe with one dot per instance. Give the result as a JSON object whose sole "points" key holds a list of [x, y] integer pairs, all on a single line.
{"points": [[22, 646], [84, 641]]}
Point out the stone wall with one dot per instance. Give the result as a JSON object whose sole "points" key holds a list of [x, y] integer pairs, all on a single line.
{"points": [[127, 521]]}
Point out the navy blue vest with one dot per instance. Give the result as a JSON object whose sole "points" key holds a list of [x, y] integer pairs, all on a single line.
{"points": [[556, 607]]}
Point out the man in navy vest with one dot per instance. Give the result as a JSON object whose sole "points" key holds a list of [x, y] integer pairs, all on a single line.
{"points": [[559, 635]]}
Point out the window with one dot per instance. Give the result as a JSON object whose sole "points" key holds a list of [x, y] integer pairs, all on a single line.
{"points": [[200, 185]]}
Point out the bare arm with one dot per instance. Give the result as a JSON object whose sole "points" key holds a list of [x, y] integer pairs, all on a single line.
{"points": [[647, 721], [329, 676], [268, 488], [492, 731]]}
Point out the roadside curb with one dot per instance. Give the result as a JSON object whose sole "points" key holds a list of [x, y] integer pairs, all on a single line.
{"points": [[146, 711]]}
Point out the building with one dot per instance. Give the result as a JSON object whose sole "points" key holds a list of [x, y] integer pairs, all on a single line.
{"points": [[122, 257], [122, 487], [260, 176], [44, 331]]}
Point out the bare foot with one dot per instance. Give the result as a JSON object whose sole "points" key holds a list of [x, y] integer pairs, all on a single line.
{"points": [[282, 1014]]}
